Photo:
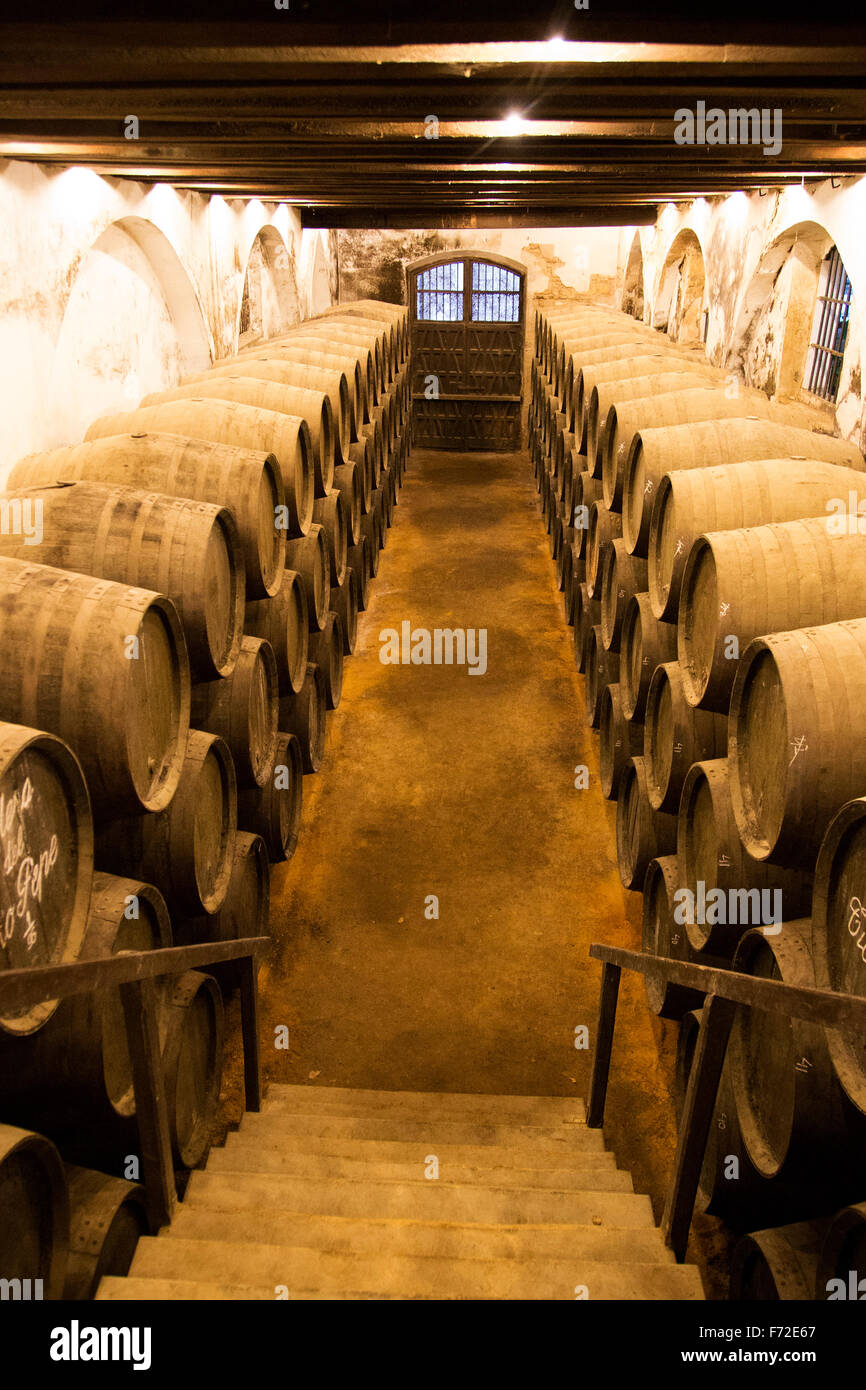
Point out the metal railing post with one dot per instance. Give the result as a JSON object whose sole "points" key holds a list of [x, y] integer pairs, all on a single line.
{"points": [[139, 999], [610, 977]]}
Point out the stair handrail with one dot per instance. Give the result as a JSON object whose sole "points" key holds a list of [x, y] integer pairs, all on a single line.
{"points": [[725, 991], [134, 973]]}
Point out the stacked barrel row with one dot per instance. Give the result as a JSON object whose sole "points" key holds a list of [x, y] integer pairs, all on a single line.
{"points": [[711, 559], [179, 593]]}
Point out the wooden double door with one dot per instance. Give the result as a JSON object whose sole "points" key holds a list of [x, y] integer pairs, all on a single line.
{"points": [[467, 323]]}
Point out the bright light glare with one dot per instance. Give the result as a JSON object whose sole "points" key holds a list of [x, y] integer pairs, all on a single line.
{"points": [[513, 124]]}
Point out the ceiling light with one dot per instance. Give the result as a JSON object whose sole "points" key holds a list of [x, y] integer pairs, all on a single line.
{"points": [[513, 124]]}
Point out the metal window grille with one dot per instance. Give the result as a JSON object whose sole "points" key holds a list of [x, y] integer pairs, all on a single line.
{"points": [[495, 294], [439, 291], [831, 330]]}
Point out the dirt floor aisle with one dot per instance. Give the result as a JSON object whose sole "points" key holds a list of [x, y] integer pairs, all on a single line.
{"points": [[438, 782]]}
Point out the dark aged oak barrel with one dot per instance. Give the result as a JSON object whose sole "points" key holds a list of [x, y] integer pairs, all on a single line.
{"points": [[75, 1070], [107, 1216], [326, 652], [676, 736], [729, 1187], [273, 811], [712, 854], [46, 832], [839, 933], [344, 602], [778, 1264], [330, 513], [642, 834], [372, 433], [282, 621], [789, 1105], [187, 550], [709, 444], [797, 699], [34, 1212], [604, 401], [723, 499], [645, 643], [382, 507], [663, 936], [191, 1036], [308, 557], [619, 740], [245, 907], [246, 481], [587, 615], [359, 561], [602, 670], [287, 437], [843, 1254], [297, 377], [185, 850], [313, 407], [243, 710], [304, 716], [604, 527], [361, 455], [342, 364], [742, 584], [104, 667], [622, 576], [372, 529]]}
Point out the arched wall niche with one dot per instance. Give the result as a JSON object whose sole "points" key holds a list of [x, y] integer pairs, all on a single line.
{"points": [[632, 293], [680, 297], [269, 300]]}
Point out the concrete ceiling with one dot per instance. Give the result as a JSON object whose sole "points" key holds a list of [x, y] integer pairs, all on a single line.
{"points": [[332, 108]]}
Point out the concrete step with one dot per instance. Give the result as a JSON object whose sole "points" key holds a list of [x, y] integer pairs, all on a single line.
{"points": [[271, 1192], [409, 1277], [569, 1137], [247, 1153], [113, 1289], [343, 1235], [480, 1109], [270, 1132]]}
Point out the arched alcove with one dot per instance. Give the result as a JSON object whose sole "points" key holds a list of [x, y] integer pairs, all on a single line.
{"points": [[269, 302], [681, 290], [632, 293]]}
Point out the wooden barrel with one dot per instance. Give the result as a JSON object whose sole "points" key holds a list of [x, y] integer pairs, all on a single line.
{"points": [[308, 557], [604, 527], [314, 407], [778, 1264], [330, 513], [304, 716], [371, 530], [361, 455], [34, 1213], [676, 736], [619, 740], [287, 437], [839, 933], [605, 401], [373, 322], [243, 710], [344, 602], [789, 1105], [372, 432], [597, 376], [645, 643], [297, 377], [187, 550], [344, 364], [76, 1071], [349, 484], [729, 1187], [282, 622], [724, 499], [741, 584], [245, 907], [246, 481], [564, 564], [46, 829], [843, 1254], [738, 891], [333, 341], [642, 834], [586, 491], [359, 561], [361, 337], [663, 935], [107, 1217], [602, 670], [326, 652], [622, 576], [587, 615], [796, 701], [710, 444], [104, 667], [185, 850], [273, 812], [191, 1036]]}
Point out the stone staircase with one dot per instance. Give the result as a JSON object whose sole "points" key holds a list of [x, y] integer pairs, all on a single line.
{"points": [[325, 1194]]}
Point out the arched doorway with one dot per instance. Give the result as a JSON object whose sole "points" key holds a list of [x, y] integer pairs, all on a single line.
{"points": [[467, 318]]}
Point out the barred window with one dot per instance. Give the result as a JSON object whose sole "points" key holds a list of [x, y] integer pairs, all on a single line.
{"points": [[495, 294], [440, 292], [830, 329]]}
